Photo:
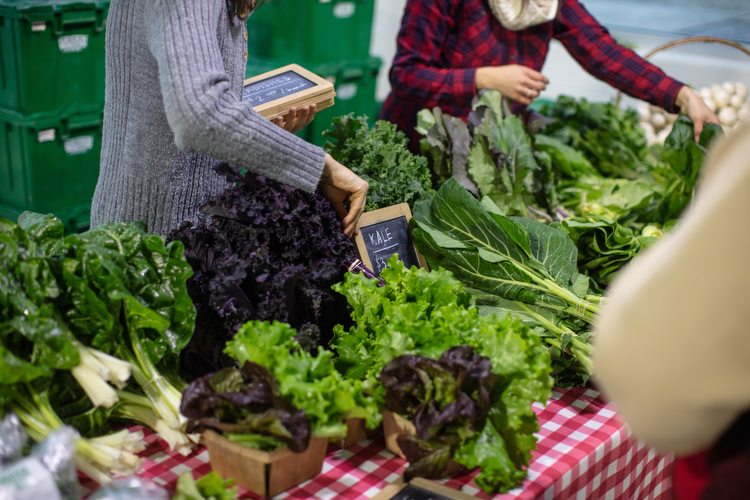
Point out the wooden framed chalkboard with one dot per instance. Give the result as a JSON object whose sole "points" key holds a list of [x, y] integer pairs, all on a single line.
{"points": [[384, 232], [419, 489], [273, 93]]}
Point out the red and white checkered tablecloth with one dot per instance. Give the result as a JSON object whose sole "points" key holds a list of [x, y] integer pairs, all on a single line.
{"points": [[583, 452]]}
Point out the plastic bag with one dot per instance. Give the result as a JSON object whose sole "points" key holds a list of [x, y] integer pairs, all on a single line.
{"points": [[130, 488], [48, 473], [12, 439]]}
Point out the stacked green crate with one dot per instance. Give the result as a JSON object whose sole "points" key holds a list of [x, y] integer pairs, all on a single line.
{"points": [[51, 102], [331, 38]]}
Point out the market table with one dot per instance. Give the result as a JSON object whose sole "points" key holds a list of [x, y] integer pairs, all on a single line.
{"points": [[583, 452]]}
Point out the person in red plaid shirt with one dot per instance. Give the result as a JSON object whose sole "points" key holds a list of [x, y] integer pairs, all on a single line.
{"points": [[450, 49]]}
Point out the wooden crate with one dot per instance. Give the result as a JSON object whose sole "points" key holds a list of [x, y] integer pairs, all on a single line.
{"points": [[356, 431], [262, 472], [394, 425]]}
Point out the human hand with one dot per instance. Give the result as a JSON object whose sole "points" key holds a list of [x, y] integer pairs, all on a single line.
{"points": [[339, 184], [692, 105], [514, 81], [293, 123]]}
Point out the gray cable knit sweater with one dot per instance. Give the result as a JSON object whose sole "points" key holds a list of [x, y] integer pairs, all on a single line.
{"points": [[173, 110]]}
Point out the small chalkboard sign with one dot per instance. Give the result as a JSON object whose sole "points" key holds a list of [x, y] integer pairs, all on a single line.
{"points": [[385, 232], [419, 489], [272, 94], [275, 87]]}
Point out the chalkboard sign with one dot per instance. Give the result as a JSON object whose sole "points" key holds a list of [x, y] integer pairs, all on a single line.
{"points": [[272, 94], [276, 87], [385, 232], [412, 492], [419, 489]]}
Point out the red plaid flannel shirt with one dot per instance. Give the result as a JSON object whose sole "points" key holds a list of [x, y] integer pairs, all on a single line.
{"points": [[442, 42]]}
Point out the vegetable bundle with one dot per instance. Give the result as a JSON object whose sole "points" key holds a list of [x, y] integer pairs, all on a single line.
{"points": [[269, 252], [427, 314], [529, 264], [281, 395], [79, 313], [380, 156]]}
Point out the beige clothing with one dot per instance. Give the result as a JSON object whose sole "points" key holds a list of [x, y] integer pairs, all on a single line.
{"points": [[514, 17], [673, 341]]}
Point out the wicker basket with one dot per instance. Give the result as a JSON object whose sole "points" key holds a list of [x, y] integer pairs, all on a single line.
{"points": [[685, 41]]}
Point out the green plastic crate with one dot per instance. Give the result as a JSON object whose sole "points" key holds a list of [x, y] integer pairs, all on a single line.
{"points": [[311, 30], [354, 81], [76, 219], [51, 54], [49, 162]]}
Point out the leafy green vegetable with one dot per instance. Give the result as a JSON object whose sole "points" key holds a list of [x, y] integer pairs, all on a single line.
{"points": [[309, 383], [514, 258], [608, 137], [427, 314], [65, 304], [682, 158], [604, 246], [380, 156], [447, 399], [245, 401], [209, 487]]}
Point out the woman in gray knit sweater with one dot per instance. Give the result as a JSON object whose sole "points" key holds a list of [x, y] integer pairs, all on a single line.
{"points": [[174, 109]]}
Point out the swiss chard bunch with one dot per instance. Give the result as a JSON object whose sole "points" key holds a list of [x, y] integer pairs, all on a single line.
{"points": [[515, 259], [380, 156], [247, 406], [310, 383], [269, 252], [424, 314], [78, 314], [494, 156]]}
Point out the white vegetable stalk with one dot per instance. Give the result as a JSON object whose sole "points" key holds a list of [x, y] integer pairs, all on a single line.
{"points": [[96, 388], [124, 440], [119, 370], [140, 409]]}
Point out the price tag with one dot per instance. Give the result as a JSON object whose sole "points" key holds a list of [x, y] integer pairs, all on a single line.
{"points": [[385, 232]]}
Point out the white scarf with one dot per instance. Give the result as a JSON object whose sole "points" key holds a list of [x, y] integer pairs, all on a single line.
{"points": [[511, 16]]}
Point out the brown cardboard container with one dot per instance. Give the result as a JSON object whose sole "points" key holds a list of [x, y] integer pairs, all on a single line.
{"points": [[394, 425], [356, 431], [262, 472]]}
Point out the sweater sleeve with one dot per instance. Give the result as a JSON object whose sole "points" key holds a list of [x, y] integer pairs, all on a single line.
{"points": [[204, 114], [589, 43], [417, 73], [672, 341]]}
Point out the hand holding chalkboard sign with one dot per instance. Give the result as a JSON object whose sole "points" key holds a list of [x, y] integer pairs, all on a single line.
{"points": [[296, 119], [273, 94]]}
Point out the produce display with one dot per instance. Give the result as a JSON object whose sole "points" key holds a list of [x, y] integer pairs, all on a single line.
{"points": [[428, 314], [259, 322], [727, 100], [281, 395], [81, 312], [269, 252]]}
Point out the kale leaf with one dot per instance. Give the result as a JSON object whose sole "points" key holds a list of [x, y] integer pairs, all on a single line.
{"points": [[380, 156], [268, 252]]}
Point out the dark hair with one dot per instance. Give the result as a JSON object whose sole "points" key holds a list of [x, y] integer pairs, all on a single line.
{"points": [[237, 6]]}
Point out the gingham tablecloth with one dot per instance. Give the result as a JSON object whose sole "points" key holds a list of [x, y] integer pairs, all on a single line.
{"points": [[583, 452]]}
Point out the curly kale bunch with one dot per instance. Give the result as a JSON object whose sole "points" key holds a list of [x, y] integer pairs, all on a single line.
{"points": [[381, 157]]}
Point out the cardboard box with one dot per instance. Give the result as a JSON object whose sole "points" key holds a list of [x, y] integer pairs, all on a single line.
{"points": [[394, 425], [262, 472]]}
